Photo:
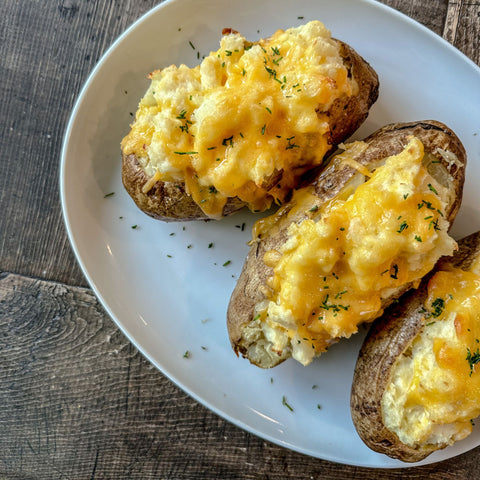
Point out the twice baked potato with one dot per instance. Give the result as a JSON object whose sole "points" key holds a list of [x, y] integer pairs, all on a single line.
{"points": [[416, 382], [243, 127], [367, 229]]}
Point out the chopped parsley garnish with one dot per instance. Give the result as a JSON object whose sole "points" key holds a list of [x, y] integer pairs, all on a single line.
{"points": [[228, 53], [134, 227], [472, 359], [271, 72], [403, 226], [192, 45], [186, 354], [212, 189], [314, 208], [210, 245], [268, 110], [263, 129], [438, 305], [418, 238], [228, 262], [228, 141], [284, 402], [275, 50], [332, 306], [184, 127], [185, 153], [434, 223], [395, 272], [290, 144], [432, 188], [109, 194]]}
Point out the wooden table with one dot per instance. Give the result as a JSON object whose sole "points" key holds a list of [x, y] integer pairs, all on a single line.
{"points": [[77, 399]]}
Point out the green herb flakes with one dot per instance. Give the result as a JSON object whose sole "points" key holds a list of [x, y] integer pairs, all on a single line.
{"points": [[472, 359], [284, 403]]}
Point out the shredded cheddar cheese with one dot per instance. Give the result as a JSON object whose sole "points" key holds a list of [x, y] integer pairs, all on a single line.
{"points": [[151, 182], [338, 265], [244, 118]]}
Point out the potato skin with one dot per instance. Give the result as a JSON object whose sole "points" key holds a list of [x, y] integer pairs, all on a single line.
{"points": [[169, 201], [388, 338], [387, 141]]}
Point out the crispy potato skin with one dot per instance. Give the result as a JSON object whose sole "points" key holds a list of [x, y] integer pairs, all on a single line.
{"points": [[387, 141], [170, 202], [165, 201], [388, 338]]}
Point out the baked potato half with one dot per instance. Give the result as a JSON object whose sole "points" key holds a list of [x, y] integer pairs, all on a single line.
{"points": [[244, 126], [366, 230], [415, 387]]}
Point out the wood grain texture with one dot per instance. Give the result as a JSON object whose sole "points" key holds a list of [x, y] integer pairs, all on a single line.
{"points": [[80, 402]]}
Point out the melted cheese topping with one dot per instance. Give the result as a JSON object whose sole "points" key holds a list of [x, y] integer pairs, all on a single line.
{"points": [[435, 387], [244, 119], [336, 268]]}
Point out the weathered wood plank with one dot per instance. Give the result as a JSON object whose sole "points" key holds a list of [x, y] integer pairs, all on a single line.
{"points": [[451, 21], [431, 14], [79, 402], [467, 33]]}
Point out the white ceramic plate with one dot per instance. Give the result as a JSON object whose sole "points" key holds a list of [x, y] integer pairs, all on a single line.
{"points": [[163, 285]]}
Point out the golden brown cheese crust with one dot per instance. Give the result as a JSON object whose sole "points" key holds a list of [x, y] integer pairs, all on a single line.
{"points": [[389, 140], [169, 201], [388, 338]]}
